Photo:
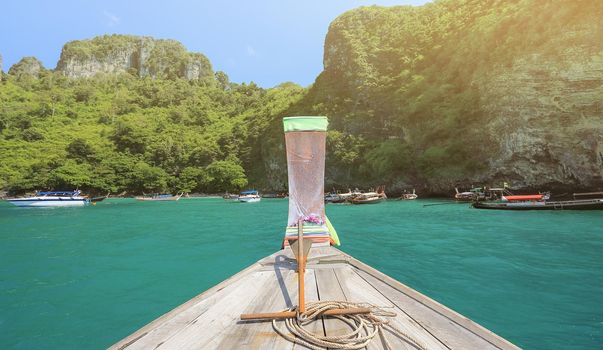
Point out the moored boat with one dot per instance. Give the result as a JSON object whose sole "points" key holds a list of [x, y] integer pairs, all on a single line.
{"points": [[230, 196], [52, 199], [409, 196], [481, 194], [542, 202], [370, 197], [160, 197], [336, 197], [367, 198], [251, 196]]}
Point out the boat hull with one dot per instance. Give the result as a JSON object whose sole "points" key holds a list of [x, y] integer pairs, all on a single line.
{"points": [[249, 199], [367, 201], [157, 199], [160, 198], [587, 204], [409, 197], [336, 201], [40, 203]]}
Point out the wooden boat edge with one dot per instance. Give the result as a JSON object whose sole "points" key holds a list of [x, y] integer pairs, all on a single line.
{"points": [[130, 339], [433, 305]]}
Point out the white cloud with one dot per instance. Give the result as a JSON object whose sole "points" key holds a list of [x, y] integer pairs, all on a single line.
{"points": [[251, 51], [111, 18]]}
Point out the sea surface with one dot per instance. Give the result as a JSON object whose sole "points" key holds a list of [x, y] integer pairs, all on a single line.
{"points": [[83, 278]]}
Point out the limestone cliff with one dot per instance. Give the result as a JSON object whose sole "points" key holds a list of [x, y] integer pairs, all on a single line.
{"points": [[27, 66], [546, 115], [465, 92], [141, 56]]}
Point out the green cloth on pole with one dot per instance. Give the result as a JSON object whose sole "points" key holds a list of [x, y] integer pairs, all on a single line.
{"points": [[332, 232], [305, 124]]}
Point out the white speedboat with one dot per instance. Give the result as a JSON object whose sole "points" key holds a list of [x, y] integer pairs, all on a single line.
{"points": [[251, 196], [52, 199]]}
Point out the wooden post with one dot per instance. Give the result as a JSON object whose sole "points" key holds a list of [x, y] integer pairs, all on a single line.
{"points": [[301, 270], [292, 314], [301, 266]]}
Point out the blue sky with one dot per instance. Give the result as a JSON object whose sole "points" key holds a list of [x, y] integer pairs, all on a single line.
{"points": [[268, 42]]}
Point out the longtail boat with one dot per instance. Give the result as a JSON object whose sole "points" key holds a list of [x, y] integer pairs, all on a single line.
{"points": [[160, 197], [543, 202], [336, 197], [370, 197], [409, 196], [310, 294]]}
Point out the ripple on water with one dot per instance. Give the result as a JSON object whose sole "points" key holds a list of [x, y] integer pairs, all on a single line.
{"points": [[75, 278]]}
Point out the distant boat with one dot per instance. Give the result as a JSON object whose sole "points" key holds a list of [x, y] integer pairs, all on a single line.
{"points": [[335, 197], [370, 197], [542, 202], [481, 194], [160, 197], [250, 196], [52, 199], [409, 196], [230, 196], [468, 196]]}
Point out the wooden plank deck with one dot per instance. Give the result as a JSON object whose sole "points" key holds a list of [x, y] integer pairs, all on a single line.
{"points": [[211, 319]]}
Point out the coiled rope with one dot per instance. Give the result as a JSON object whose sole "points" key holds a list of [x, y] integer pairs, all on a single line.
{"points": [[364, 327]]}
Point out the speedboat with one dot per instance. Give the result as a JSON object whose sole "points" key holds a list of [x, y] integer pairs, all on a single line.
{"points": [[52, 199], [250, 196]]}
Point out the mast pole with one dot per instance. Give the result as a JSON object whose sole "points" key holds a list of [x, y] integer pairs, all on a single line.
{"points": [[301, 266]]}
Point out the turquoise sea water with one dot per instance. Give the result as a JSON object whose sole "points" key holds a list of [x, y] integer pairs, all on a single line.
{"points": [[83, 278]]}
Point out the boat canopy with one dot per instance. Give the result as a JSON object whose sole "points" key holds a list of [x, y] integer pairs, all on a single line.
{"points": [[529, 197], [249, 192], [59, 193]]}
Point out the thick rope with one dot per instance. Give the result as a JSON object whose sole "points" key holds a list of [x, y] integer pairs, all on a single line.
{"points": [[364, 327]]}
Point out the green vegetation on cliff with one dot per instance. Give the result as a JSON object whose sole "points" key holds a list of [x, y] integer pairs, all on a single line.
{"points": [[450, 91], [121, 133], [456, 91]]}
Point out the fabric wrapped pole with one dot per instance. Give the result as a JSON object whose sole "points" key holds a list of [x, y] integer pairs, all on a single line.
{"points": [[305, 139]]}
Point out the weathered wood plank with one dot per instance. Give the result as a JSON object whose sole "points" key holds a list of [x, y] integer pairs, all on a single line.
{"points": [[452, 329], [358, 290], [329, 289], [259, 335], [311, 295], [185, 331], [199, 301]]}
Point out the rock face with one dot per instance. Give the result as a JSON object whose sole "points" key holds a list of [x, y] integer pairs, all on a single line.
{"points": [[547, 117], [141, 56], [477, 92], [27, 66]]}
